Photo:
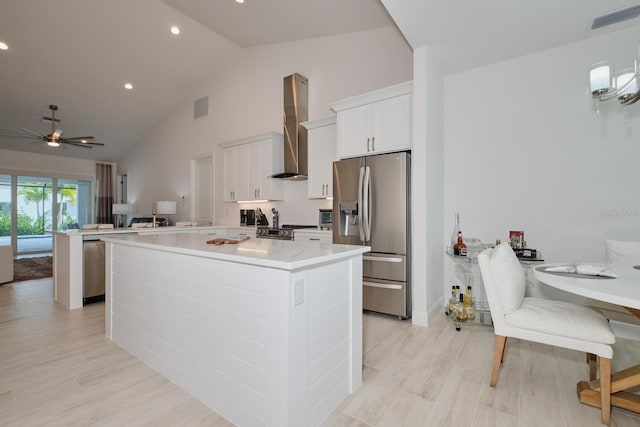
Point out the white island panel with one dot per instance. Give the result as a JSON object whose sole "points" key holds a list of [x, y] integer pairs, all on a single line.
{"points": [[68, 257], [260, 345]]}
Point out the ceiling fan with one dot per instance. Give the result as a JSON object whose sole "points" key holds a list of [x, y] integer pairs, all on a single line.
{"points": [[54, 139]]}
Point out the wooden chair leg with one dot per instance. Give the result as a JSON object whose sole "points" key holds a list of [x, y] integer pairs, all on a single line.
{"points": [[592, 360], [605, 390], [498, 352]]}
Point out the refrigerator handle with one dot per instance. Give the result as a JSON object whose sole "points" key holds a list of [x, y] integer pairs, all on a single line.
{"points": [[360, 206], [368, 202]]}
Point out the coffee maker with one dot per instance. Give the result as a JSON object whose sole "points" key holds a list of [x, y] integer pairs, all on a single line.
{"points": [[247, 217]]}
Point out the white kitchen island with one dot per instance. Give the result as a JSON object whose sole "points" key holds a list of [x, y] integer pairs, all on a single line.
{"points": [[68, 265], [265, 332]]}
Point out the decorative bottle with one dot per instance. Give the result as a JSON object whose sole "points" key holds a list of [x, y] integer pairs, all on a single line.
{"points": [[456, 230], [452, 301], [460, 248], [469, 304], [461, 313]]}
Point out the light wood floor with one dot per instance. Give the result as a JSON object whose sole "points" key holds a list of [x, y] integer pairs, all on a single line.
{"points": [[58, 369]]}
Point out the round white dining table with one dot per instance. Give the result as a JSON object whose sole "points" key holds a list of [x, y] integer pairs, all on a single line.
{"points": [[623, 290]]}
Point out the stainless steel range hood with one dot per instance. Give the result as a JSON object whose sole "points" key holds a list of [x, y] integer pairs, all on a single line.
{"points": [[296, 110]]}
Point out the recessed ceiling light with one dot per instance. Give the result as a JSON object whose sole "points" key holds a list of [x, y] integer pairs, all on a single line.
{"points": [[128, 86], [239, 1], [175, 30], [4, 46]]}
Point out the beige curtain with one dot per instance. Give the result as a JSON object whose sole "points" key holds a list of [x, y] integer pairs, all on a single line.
{"points": [[104, 193]]}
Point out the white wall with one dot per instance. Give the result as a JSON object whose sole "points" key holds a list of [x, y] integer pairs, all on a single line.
{"points": [[427, 187], [525, 151], [33, 164], [246, 99]]}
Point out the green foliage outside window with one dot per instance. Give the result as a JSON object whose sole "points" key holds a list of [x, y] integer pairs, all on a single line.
{"points": [[27, 225]]}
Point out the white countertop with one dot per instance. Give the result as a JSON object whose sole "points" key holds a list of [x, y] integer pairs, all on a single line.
{"points": [[125, 230], [272, 253]]}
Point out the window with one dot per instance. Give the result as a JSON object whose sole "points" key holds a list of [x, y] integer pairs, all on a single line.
{"points": [[31, 207]]}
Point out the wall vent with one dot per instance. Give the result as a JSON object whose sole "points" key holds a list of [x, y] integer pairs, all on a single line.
{"points": [[615, 17], [201, 107]]}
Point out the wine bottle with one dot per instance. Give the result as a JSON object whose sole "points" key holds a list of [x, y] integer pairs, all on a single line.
{"points": [[456, 230]]}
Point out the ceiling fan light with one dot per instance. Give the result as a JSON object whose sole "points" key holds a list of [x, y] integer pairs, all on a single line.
{"points": [[53, 143], [84, 141]]}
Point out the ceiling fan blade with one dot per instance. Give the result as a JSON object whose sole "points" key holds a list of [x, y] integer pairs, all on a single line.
{"points": [[81, 144], [81, 138], [20, 135], [32, 132], [82, 141], [29, 137], [64, 144]]}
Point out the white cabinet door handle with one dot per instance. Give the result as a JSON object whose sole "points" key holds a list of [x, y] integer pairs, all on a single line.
{"points": [[368, 149], [373, 143]]}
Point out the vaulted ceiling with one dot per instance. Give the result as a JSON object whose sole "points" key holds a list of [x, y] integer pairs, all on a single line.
{"points": [[79, 54]]}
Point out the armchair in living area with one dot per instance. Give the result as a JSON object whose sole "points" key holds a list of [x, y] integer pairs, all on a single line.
{"points": [[6, 264], [555, 323], [621, 253]]}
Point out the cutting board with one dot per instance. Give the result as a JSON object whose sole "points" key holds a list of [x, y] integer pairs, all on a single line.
{"points": [[228, 240]]}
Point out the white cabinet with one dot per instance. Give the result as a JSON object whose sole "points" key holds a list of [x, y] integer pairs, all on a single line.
{"points": [[248, 166], [239, 231], [235, 179], [322, 140], [313, 236], [375, 122], [265, 158]]}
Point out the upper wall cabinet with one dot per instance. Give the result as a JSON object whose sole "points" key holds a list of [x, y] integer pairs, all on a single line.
{"points": [[375, 122], [235, 180], [321, 137], [248, 166]]}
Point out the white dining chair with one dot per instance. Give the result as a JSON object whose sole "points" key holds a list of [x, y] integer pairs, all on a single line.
{"points": [[556, 323]]}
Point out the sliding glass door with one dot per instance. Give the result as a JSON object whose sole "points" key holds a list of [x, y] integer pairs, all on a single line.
{"points": [[73, 203], [5, 210], [31, 207], [35, 214]]}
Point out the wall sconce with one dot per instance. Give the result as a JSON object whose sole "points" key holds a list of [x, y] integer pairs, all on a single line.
{"points": [[606, 85]]}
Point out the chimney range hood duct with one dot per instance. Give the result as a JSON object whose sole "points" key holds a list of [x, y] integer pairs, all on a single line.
{"points": [[296, 109]]}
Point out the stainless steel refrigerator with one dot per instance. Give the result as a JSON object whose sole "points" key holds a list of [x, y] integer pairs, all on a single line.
{"points": [[371, 206]]}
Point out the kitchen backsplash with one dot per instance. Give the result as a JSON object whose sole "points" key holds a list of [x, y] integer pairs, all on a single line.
{"points": [[297, 208]]}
